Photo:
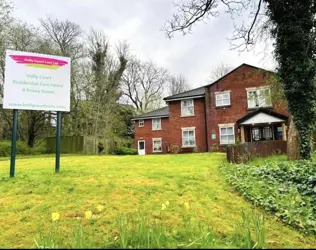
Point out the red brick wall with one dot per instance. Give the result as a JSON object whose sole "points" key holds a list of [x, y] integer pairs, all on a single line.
{"points": [[176, 122], [236, 82], [146, 133]]}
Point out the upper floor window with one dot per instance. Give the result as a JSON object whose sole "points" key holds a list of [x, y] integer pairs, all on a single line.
{"points": [[188, 137], [156, 124], [141, 123], [187, 107], [259, 97], [222, 98]]}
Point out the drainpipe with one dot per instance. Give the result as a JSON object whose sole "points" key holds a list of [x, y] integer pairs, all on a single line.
{"points": [[206, 130]]}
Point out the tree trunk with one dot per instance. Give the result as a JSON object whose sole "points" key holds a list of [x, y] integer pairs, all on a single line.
{"points": [[293, 149]]}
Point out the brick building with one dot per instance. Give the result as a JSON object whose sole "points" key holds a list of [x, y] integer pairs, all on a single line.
{"points": [[235, 108]]}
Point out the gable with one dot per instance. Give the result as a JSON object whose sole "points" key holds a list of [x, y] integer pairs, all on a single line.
{"points": [[262, 118]]}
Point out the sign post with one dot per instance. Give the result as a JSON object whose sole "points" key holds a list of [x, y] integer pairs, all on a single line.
{"points": [[13, 144], [58, 133], [36, 82]]}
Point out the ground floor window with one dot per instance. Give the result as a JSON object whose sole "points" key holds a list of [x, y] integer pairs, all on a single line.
{"points": [[262, 133], [227, 134], [157, 145], [188, 137]]}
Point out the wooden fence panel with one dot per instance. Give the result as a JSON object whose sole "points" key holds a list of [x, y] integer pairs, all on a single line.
{"points": [[243, 152]]}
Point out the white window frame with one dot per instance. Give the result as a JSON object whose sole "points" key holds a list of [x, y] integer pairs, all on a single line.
{"points": [[188, 129], [141, 123], [230, 125], [153, 145], [258, 97], [152, 124], [183, 108], [219, 97]]}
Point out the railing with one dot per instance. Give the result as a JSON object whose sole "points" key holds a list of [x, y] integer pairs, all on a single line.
{"points": [[243, 152]]}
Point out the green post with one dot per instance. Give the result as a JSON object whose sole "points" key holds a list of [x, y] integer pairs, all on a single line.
{"points": [[58, 133], [13, 144]]}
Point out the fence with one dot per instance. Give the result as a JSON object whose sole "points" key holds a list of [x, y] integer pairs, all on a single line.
{"points": [[79, 144], [243, 152]]}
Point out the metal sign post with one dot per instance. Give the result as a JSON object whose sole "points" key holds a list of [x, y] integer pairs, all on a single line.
{"points": [[13, 144], [58, 133]]}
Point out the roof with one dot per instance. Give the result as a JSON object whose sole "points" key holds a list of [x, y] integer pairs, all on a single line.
{"points": [[244, 64], [158, 113], [268, 115], [200, 91]]}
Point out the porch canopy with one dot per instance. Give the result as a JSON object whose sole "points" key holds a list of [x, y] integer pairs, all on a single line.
{"points": [[262, 117]]}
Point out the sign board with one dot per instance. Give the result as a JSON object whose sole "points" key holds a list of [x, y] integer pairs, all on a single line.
{"points": [[213, 136], [36, 82]]}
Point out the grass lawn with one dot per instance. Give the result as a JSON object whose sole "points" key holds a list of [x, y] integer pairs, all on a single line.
{"points": [[128, 185]]}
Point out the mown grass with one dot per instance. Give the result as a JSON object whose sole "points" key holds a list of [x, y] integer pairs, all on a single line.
{"points": [[126, 186]]}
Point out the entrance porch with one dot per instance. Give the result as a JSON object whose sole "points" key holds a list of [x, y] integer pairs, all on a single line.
{"points": [[263, 125]]}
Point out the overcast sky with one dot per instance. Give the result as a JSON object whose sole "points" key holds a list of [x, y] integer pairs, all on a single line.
{"points": [[139, 22]]}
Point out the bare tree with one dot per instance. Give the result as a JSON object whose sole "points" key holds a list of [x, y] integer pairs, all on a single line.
{"points": [[191, 12], [143, 84], [219, 71], [65, 35], [177, 84]]}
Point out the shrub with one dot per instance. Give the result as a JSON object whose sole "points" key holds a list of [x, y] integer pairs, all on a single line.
{"points": [[39, 149], [100, 147], [287, 189], [175, 149], [125, 151], [5, 148], [21, 148]]}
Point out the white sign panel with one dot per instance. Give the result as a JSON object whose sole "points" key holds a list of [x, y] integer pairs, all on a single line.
{"points": [[36, 82]]}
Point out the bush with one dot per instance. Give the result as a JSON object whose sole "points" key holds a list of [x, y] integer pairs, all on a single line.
{"points": [[287, 189], [21, 148], [125, 151], [100, 147], [40, 149]]}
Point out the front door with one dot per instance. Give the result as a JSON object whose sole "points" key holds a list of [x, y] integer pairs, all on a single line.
{"points": [[141, 148]]}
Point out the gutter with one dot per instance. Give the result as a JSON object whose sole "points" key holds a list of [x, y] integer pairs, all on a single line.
{"points": [[205, 115], [184, 98], [149, 117]]}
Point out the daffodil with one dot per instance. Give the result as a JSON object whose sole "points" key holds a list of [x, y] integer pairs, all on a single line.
{"points": [[167, 203], [55, 216], [100, 208], [163, 207], [186, 205], [88, 215]]}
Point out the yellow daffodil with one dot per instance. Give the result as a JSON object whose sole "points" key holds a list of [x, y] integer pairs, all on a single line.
{"points": [[88, 215], [55, 216], [163, 207], [100, 208], [167, 203], [186, 205]]}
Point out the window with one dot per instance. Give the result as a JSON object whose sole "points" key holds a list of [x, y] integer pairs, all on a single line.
{"points": [[141, 123], [227, 134], [157, 145], [187, 107], [267, 133], [256, 134], [222, 99], [188, 137], [156, 124], [259, 97]]}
